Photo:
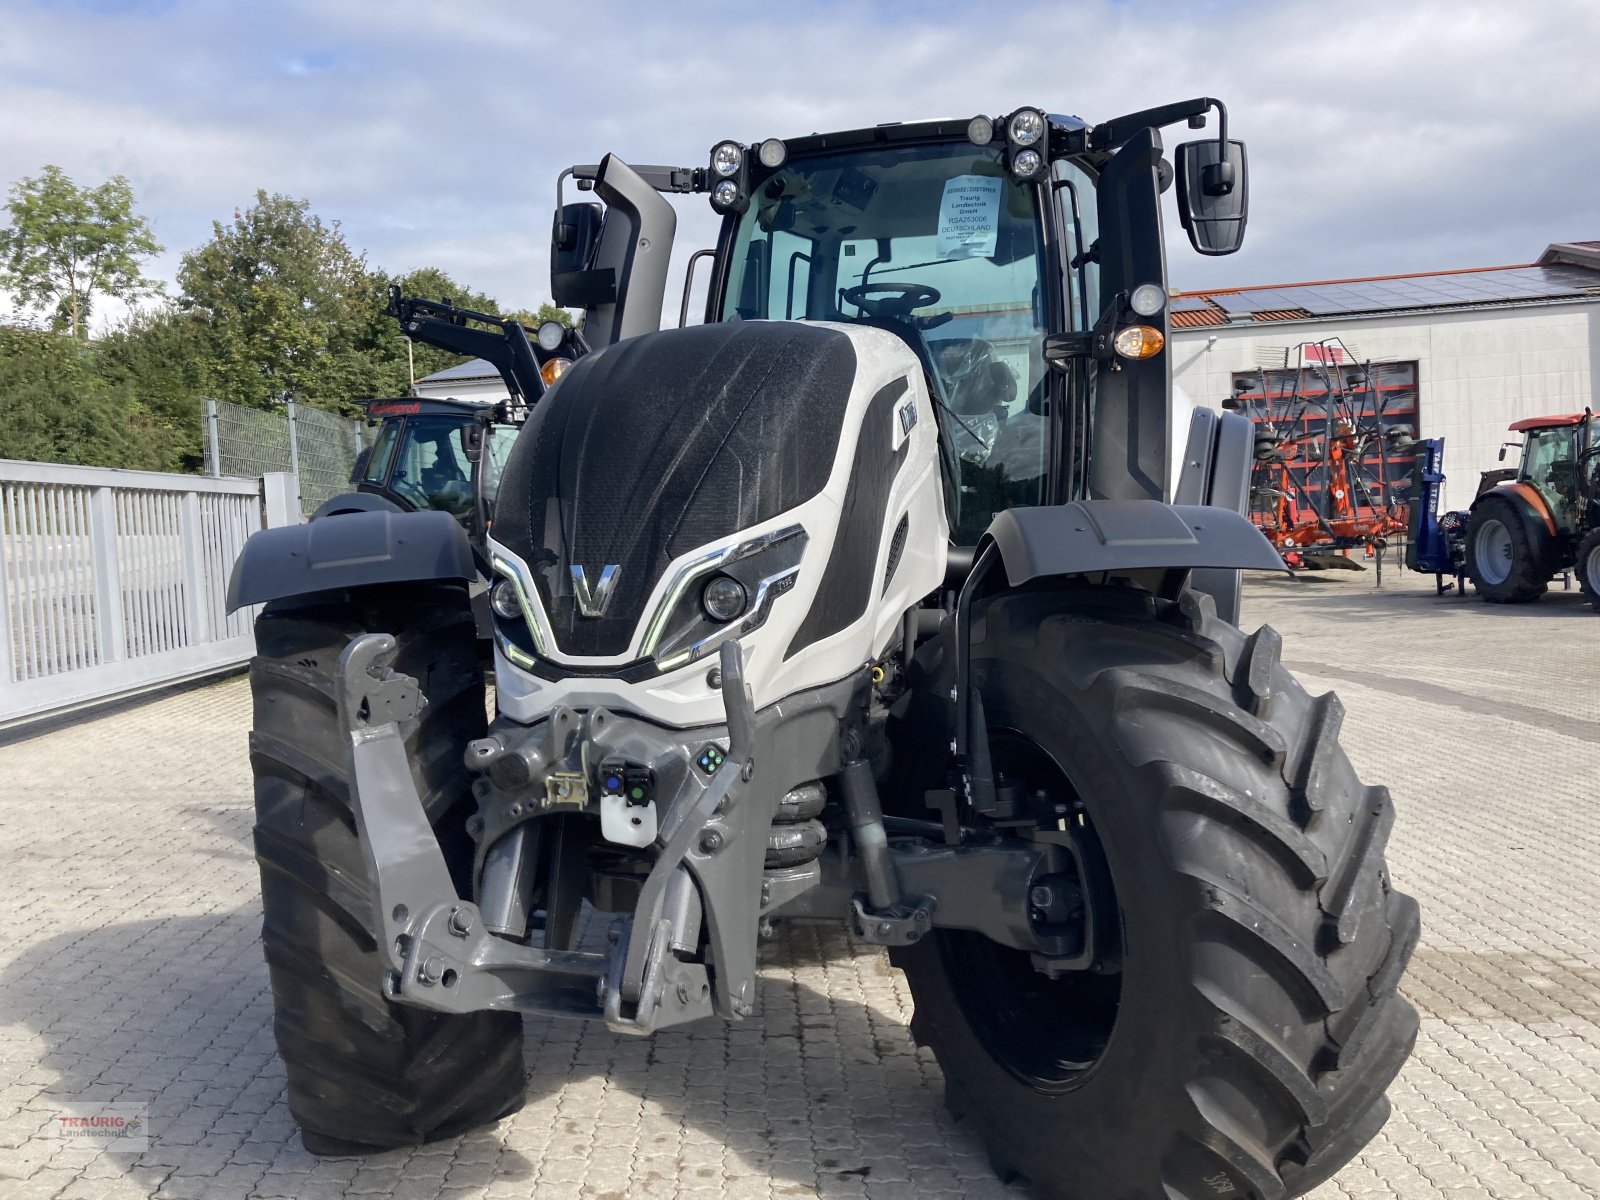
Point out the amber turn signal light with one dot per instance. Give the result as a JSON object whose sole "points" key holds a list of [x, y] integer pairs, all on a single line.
{"points": [[1138, 341]]}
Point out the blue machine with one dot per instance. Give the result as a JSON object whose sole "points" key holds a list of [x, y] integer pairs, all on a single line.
{"points": [[1436, 544]]}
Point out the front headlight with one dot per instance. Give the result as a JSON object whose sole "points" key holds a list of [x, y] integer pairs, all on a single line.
{"points": [[723, 598], [726, 159], [503, 599], [1026, 127], [1027, 164]]}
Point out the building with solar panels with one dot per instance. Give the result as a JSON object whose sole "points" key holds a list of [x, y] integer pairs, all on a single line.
{"points": [[1456, 354]]}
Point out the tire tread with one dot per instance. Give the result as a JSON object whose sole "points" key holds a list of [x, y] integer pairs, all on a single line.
{"points": [[364, 1073]]}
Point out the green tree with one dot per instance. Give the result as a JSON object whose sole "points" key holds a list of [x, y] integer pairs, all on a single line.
{"points": [[54, 407], [546, 312], [155, 357], [68, 244], [280, 303]]}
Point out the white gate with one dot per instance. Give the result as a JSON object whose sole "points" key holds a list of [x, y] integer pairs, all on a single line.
{"points": [[112, 582]]}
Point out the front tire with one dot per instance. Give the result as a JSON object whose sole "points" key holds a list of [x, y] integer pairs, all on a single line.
{"points": [[1587, 567], [1243, 1044], [365, 1074], [1505, 565]]}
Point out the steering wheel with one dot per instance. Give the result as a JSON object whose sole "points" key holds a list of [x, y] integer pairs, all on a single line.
{"points": [[896, 299]]}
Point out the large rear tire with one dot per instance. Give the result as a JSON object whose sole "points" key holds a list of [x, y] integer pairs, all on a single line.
{"points": [[1587, 567], [365, 1074], [1242, 1045], [1504, 564]]}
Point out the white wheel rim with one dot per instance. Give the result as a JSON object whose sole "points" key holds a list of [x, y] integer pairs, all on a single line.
{"points": [[1492, 550]]}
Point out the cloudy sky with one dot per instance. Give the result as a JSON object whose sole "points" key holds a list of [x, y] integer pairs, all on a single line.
{"points": [[1384, 135]]}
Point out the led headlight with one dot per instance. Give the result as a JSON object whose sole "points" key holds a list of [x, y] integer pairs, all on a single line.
{"points": [[723, 598], [726, 159], [503, 599], [1027, 127], [1147, 299], [980, 131], [1027, 164], [772, 153], [550, 336], [725, 194]]}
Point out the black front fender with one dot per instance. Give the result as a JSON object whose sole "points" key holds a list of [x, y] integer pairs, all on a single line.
{"points": [[353, 549], [1088, 537], [1156, 544]]}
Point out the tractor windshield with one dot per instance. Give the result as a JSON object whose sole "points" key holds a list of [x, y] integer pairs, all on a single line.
{"points": [[937, 243], [1550, 463]]}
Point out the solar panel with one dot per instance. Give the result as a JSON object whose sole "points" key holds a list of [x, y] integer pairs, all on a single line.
{"points": [[1246, 303], [1427, 291]]}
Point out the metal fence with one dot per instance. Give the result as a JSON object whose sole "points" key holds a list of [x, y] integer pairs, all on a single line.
{"points": [[317, 447], [115, 581]]}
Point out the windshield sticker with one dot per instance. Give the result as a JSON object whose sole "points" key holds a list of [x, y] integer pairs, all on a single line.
{"points": [[969, 217]]}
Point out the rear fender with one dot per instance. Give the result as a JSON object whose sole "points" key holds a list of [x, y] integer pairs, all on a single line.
{"points": [[352, 549], [1529, 502], [1530, 510]]}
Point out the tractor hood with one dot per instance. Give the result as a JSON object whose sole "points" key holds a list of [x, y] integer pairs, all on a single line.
{"points": [[659, 445]]}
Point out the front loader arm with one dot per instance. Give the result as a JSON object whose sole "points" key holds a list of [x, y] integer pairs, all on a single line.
{"points": [[445, 325]]}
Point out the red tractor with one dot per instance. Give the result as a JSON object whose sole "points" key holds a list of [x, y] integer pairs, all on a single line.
{"points": [[1542, 518]]}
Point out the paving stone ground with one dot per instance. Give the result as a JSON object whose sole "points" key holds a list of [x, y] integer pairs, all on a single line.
{"points": [[130, 970]]}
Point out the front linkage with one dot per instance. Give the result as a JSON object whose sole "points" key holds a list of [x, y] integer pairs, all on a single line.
{"points": [[439, 953], [709, 810]]}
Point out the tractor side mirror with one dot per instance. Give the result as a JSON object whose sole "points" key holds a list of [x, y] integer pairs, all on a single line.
{"points": [[1213, 194], [1502, 455], [573, 237], [472, 441]]}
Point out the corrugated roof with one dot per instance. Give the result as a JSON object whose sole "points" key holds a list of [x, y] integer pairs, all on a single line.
{"points": [[1566, 270]]}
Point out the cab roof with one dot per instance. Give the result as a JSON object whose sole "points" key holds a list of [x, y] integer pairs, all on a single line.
{"points": [[417, 406], [893, 132], [1547, 422]]}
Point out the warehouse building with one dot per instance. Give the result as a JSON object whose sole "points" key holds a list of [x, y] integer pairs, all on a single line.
{"points": [[1463, 353]]}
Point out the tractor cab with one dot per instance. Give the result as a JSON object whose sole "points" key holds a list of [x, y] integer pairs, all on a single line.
{"points": [[1561, 463], [1539, 520], [445, 455], [940, 244], [1019, 257]]}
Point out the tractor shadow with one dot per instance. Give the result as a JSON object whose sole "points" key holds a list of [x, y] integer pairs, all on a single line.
{"points": [[821, 1090]]}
